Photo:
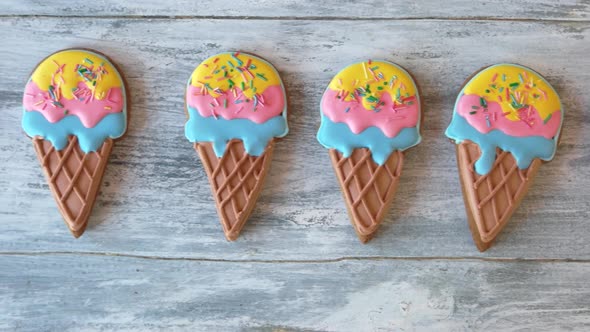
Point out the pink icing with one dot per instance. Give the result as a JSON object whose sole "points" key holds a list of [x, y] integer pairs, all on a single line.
{"points": [[390, 119], [270, 103], [89, 110], [530, 125]]}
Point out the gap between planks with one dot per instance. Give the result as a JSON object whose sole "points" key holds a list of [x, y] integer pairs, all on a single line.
{"points": [[299, 261], [302, 18]]}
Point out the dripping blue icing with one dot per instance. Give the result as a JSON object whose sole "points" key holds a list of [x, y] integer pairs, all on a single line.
{"points": [[334, 135], [524, 149], [112, 125], [90, 139], [219, 131]]}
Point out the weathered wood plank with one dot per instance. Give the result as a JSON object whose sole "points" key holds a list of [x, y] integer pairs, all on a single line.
{"points": [[99, 293], [501, 9], [156, 201]]}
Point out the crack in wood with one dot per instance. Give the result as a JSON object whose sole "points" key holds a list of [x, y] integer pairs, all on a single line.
{"points": [[302, 18], [299, 261]]}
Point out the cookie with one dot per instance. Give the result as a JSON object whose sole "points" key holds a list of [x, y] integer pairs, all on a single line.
{"points": [[237, 108], [370, 114], [507, 119], [74, 106]]}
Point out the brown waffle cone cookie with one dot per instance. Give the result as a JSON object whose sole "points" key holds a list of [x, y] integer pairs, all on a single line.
{"points": [[491, 199], [506, 122], [236, 181], [237, 108], [371, 112], [368, 188], [74, 178], [74, 107]]}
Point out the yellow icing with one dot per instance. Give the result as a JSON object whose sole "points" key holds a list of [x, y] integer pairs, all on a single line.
{"points": [[532, 89], [381, 77], [217, 72], [67, 79]]}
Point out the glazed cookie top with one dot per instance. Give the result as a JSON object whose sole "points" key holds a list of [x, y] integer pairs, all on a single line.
{"points": [[235, 96], [75, 92], [511, 107], [373, 104]]}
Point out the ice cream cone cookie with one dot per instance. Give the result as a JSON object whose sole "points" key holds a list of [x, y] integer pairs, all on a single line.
{"points": [[507, 118], [74, 106], [236, 107], [370, 114]]}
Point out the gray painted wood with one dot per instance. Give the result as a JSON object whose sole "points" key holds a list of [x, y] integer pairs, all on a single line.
{"points": [[155, 188], [355, 9], [108, 293], [154, 256]]}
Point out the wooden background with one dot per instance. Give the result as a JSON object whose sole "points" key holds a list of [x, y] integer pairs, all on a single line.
{"points": [[154, 256]]}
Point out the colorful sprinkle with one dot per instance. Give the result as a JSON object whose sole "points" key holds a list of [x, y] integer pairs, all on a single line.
{"points": [[483, 102], [547, 119], [235, 56], [372, 99]]}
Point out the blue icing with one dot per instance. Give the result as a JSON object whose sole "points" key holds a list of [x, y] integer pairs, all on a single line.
{"points": [[524, 149], [255, 136], [90, 139], [333, 135], [112, 125]]}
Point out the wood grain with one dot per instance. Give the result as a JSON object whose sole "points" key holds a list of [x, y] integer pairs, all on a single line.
{"points": [[154, 256], [102, 293], [155, 185], [294, 9]]}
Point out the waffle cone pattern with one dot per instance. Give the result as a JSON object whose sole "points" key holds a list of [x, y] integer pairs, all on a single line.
{"points": [[491, 199], [74, 178], [368, 188], [236, 181]]}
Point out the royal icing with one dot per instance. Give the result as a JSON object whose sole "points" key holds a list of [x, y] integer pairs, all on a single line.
{"points": [[236, 96], [510, 107], [373, 104], [75, 92]]}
